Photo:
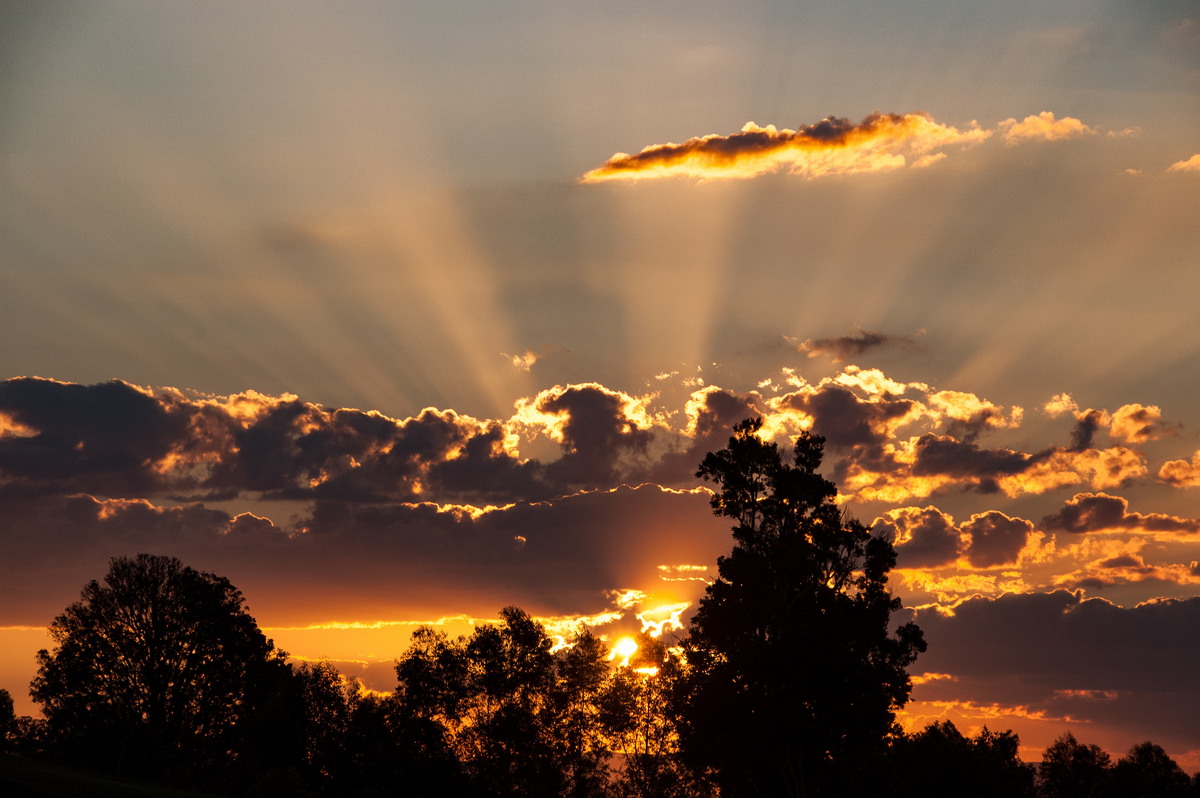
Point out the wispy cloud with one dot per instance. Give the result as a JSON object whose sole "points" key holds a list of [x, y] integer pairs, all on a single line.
{"points": [[833, 146], [853, 344]]}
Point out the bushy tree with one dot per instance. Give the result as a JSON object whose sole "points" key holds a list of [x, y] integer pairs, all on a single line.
{"points": [[1070, 769], [1148, 772], [794, 672], [517, 719], [159, 668], [940, 760]]}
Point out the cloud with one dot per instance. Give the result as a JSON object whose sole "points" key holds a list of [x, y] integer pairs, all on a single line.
{"points": [[1191, 165], [1136, 423], [1043, 127], [832, 146], [995, 538], [1181, 473], [924, 538], [1096, 512], [382, 557], [1125, 569], [850, 346], [1028, 649]]}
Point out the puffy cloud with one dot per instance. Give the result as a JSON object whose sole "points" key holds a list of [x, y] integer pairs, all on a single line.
{"points": [[832, 146], [924, 538], [1043, 127], [102, 438], [1181, 473], [1188, 165], [604, 433], [1096, 512], [995, 538], [1136, 423]]}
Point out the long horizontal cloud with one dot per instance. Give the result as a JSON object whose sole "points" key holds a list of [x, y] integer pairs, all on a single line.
{"points": [[835, 145], [1058, 652], [557, 556], [1095, 512], [887, 441]]}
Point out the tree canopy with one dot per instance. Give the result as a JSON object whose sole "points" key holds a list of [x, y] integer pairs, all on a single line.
{"points": [[794, 674], [158, 667]]}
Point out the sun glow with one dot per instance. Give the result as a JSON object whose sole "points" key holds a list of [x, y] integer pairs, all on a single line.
{"points": [[622, 650]]}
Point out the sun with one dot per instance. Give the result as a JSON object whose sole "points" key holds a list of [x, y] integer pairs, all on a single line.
{"points": [[623, 649]]}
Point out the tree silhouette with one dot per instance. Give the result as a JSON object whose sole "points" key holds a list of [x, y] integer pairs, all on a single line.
{"points": [[519, 719], [1147, 772], [636, 710], [1070, 769], [8, 720], [940, 760], [158, 669], [793, 674]]}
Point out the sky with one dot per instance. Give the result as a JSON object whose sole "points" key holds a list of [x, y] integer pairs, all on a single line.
{"points": [[401, 313]]}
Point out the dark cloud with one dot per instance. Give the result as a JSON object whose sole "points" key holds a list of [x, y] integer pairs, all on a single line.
{"points": [[1031, 649], [597, 434], [1092, 512], [940, 455], [995, 538], [1084, 432], [102, 438], [924, 538], [551, 556], [850, 346]]}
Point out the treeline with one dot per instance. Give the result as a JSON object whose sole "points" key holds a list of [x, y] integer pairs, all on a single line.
{"points": [[499, 713], [786, 683]]}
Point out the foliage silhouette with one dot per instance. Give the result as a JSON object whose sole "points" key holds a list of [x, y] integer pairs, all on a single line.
{"points": [[159, 669], [940, 760], [519, 719], [1147, 772], [8, 720], [793, 674], [1070, 769]]}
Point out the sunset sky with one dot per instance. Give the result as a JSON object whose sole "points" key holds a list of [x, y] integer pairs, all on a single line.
{"points": [[396, 313]]}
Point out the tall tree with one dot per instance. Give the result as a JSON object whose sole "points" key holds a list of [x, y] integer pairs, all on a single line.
{"points": [[794, 673], [158, 668]]}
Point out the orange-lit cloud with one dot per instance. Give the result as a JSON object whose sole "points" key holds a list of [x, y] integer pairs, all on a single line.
{"points": [[1043, 127], [832, 146], [1181, 473], [1125, 569], [1099, 512], [1188, 165], [1136, 423]]}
